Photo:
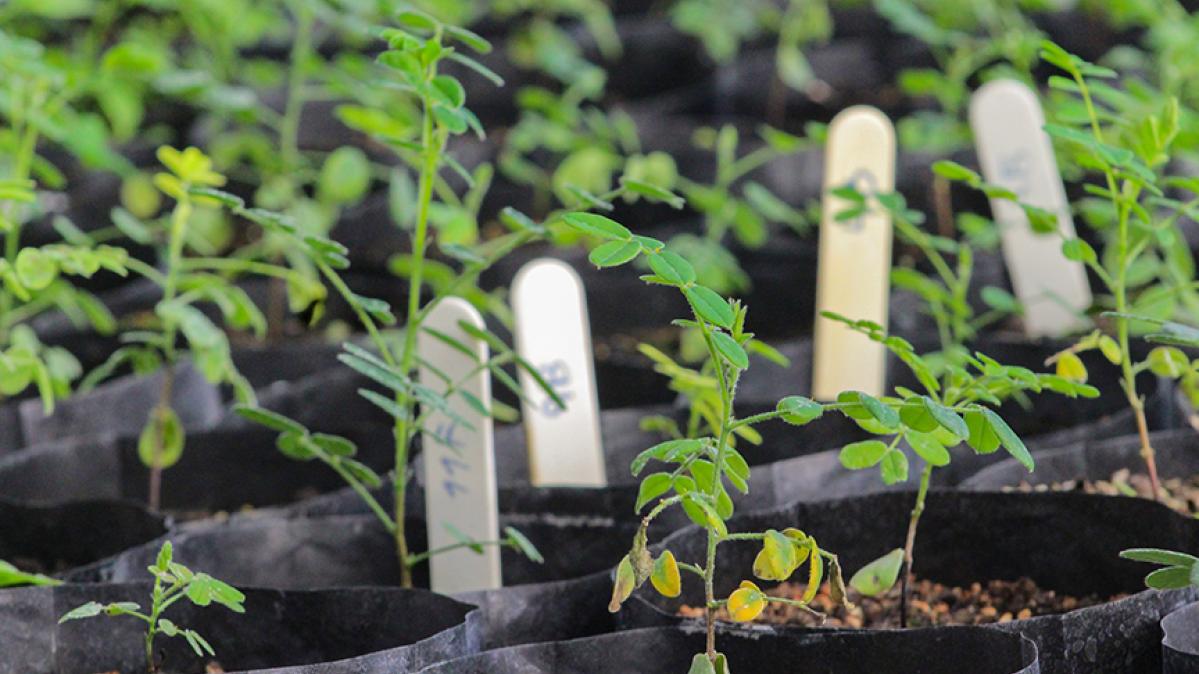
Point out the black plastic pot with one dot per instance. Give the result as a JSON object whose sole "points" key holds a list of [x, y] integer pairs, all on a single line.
{"points": [[349, 631], [119, 406], [1069, 543], [220, 471], [670, 650], [349, 550], [1097, 458], [1180, 646], [51, 539]]}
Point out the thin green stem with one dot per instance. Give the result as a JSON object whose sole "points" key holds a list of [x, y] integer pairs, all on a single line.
{"points": [[910, 543], [301, 52], [419, 557]]}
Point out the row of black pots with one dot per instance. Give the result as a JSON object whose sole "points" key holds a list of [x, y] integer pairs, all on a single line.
{"points": [[380, 630], [343, 631], [1068, 543]]}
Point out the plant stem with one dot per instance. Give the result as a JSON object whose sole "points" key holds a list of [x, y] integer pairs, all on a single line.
{"points": [[12, 239], [910, 544], [1120, 289], [413, 560], [178, 234], [727, 389], [301, 50], [431, 157]]}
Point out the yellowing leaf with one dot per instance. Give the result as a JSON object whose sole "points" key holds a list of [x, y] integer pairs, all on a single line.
{"points": [[815, 571], [624, 585], [746, 602], [665, 577], [1070, 366], [777, 559]]}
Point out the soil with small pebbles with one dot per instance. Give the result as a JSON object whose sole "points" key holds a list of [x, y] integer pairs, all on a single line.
{"points": [[1179, 493], [929, 604]]}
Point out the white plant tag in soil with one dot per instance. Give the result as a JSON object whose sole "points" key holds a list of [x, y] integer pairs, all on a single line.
{"points": [[1015, 152], [853, 276], [459, 460], [554, 335]]}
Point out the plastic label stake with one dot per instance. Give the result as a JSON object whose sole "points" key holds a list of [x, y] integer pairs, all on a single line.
{"points": [[459, 455], [554, 335], [1015, 152], [853, 275]]}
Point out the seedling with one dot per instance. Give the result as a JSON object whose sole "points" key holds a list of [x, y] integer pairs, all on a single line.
{"points": [[185, 282], [33, 279], [703, 466], [172, 582], [417, 48], [961, 389], [1132, 210]]}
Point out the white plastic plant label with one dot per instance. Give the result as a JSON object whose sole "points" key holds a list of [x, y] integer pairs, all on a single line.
{"points": [[853, 276], [553, 333], [459, 455], [1015, 152]]}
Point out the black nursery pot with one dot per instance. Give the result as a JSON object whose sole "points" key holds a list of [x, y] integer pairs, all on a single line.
{"points": [[1068, 543], [350, 631], [564, 598], [51, 539], [1180, 646], [220, 470], [669, 651], [119, 406]]}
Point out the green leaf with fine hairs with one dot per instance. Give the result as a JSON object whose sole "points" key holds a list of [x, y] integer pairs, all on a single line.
{"points": [[798, 410], [614, 253], [597, 225], [710, 306], [863, 454], [1008, 438], [672, 267], [894, 467], [652, 486], [730, 350]]}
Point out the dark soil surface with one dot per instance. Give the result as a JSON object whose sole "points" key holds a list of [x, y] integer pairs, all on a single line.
{"points": [[929, 604]]}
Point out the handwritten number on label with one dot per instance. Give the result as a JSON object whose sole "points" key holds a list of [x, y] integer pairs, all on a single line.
{"points": [[557, 375]]}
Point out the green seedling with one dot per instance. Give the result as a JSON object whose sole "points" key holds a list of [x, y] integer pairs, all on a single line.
{"points": [[187, 281], [172, 582], [961, 389], [700, 470], [1143, 266], [34, 279], [416, 50]]}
